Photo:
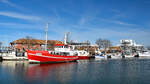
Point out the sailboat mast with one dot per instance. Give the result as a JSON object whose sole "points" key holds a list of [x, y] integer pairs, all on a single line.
{"points": [[46, 37]]}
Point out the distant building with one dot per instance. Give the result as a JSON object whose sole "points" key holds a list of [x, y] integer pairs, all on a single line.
{"points": [[32, 44]]}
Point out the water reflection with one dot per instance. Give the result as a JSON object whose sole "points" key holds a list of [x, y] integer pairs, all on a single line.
{"points": [[13, 67], [60, 72], [37, 73], [122, 71]]}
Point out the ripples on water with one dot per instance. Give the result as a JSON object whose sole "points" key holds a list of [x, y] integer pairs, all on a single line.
{"points": [[118, 71]]}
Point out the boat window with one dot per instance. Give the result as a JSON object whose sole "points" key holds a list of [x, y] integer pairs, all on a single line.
{"points": [[57, 53], [61, 53], [64, 53], [76, 54], [51, 53], [66, 46]]}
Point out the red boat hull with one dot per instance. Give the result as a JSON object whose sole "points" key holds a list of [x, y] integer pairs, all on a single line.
{"points": [[83, 57], [45, 56]]}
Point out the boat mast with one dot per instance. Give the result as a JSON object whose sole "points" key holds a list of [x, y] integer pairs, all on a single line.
{"points": [[46, 37]]}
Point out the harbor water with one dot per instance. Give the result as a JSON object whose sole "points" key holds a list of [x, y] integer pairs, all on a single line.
{"points": [[111, 71]]}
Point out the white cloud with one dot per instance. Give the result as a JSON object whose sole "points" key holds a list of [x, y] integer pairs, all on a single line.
{"points": [[10, 25], [86, 19], [122, 23], [140, 35], [118, 22], [114, 34], [82, 21], [20, 16], [6, 39], [7, 2], [11, 4]]}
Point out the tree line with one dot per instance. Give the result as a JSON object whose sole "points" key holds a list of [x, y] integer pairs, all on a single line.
{"points": [[103, 43]]}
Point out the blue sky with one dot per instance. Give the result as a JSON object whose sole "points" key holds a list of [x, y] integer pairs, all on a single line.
{"points": [[85, 19]]}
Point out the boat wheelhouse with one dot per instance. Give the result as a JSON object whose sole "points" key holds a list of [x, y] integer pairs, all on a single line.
{"points": [[61, 48]]}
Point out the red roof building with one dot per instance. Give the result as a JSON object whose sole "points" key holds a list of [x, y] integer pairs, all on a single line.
{"points": [[33, 44]]}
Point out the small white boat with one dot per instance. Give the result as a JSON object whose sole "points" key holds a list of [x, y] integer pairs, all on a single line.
{"points": [[100, 57], [144, 54], [129, 55], [116, 56], [14, 56]]}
